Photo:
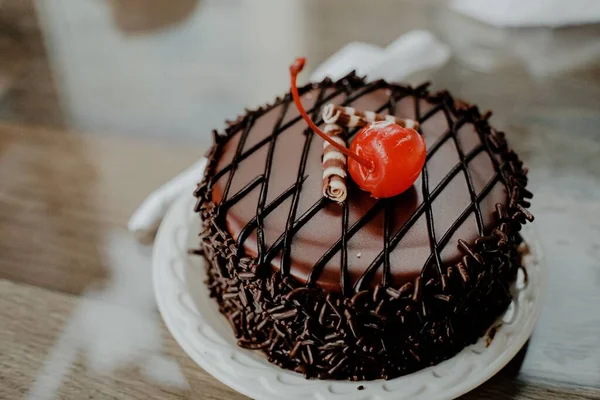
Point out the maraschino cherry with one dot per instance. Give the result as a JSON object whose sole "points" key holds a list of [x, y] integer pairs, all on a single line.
{"points": [[384, 158]]}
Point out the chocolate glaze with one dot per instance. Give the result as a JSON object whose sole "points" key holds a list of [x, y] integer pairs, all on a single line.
{"points": [[320, 252]]}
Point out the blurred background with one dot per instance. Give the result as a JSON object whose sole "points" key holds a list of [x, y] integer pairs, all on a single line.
{"points": [[101, 101], [177, 69]]}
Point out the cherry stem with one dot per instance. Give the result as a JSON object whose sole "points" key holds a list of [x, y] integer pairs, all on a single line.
{"points": [[295, 69]]}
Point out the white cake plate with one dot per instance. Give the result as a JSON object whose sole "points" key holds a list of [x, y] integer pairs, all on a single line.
{"points": [[194, 320]]}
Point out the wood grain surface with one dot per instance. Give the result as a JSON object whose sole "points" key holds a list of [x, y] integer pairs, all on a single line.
{"points": [[34, 338], [100, 104]]}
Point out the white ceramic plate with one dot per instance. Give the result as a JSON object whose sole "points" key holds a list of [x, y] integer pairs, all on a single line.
{"points": [[195, 322]]}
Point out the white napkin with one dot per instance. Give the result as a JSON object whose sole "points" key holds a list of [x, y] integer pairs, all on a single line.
{"points": [[145, 220], [416, 51], [513, 13]]}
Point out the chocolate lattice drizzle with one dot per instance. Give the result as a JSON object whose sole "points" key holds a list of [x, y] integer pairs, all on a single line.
{"points": [[371, 329]]}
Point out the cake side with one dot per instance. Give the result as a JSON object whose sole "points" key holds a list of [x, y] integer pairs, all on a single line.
{"points": [[374, 331]]}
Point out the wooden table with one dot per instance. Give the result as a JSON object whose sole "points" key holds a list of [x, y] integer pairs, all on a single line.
{"points": [[101, 103]]}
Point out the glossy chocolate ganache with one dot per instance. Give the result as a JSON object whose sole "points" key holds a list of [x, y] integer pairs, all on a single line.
{"points": [[371, 288]]}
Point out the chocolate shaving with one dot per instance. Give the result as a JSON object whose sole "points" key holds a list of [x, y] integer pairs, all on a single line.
{"points": [[337, 366], [377, 293], [377, 310], [334, 166], [279, 331], [501, 211], [332, 336], [467, 249], [359, 297], [350, 117], [442, 297], [246, 276], [352, 324], [285, 315], [393, 293], [529, 216], [295, 349], [253, 346], [262, 324], [417, 292], [309, 355], [333, 345], [464, 273], [406, 289], [329, 301]]}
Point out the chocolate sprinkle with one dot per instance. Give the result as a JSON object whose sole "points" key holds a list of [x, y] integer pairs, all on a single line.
{"points": [[371, 330]]}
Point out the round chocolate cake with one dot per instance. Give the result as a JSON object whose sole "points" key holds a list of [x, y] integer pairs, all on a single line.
{"points": [[370, 288]]}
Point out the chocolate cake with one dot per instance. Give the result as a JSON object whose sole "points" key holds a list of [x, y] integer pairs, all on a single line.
{"points": [[370, 288]]}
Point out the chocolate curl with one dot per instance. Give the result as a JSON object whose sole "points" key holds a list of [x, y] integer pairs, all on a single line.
{"points": [[334, 166], [350, 117]]}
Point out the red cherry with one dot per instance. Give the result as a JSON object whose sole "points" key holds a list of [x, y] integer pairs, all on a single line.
{"points": [[384, 159], [398, 154]]}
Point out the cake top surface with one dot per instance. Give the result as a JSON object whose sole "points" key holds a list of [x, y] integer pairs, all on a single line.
{"points": [[266, 180]]}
